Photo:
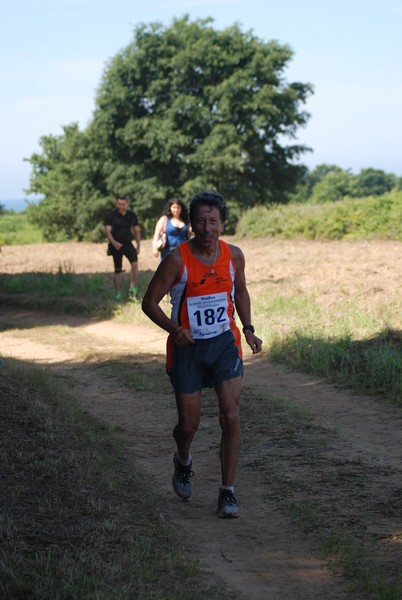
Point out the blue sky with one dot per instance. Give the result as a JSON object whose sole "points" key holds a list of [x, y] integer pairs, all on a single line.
{"points": [[53, 53]]}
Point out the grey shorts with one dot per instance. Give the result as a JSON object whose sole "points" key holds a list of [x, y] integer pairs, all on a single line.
{"points": [[205, 363]]}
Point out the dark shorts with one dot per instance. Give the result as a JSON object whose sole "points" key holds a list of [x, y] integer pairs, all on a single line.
{"points": [[205, 363], [126, 250]]}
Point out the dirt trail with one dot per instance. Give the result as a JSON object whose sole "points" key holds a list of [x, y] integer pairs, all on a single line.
{"points": [[263, 554]]}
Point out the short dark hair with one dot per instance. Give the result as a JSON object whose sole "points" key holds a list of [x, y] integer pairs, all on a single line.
{"points": [[208, 198], [121, 197]]}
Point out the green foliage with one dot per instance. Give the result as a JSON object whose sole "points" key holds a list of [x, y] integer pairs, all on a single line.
{"points": [[180, 109], [335, 185], [368, 218], [374, 182], [15, 229], [309, 180], [329, 182], [66, 174], [63, 291], [69, 292]]}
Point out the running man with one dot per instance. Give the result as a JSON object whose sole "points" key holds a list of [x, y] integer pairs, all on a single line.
{"points": [[206, 280]]}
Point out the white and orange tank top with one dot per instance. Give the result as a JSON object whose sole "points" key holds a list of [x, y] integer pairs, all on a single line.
{"points": [[203, 297]]}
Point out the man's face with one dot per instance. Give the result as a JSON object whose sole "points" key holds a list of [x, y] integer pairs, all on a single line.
{"points": [[207, 225], [121, 205]]}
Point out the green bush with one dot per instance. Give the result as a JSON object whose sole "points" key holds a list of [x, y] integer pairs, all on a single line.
{"points": [[370, 366], [375, 217], [16, 230]]}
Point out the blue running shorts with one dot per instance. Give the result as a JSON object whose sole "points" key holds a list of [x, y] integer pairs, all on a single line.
{"points": [[205, 363]]}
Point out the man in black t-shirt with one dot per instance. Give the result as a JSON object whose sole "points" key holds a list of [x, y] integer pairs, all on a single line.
{"points": [[121, 227]]}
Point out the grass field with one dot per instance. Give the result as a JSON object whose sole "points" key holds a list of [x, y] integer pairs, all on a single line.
{"points": [[331, 308]]}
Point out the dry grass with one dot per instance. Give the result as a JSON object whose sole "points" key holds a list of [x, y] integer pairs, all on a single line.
{"points": [[76, 521]]}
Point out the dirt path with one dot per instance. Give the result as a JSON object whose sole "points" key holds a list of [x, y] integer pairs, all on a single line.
{"points": [[343, 453]]}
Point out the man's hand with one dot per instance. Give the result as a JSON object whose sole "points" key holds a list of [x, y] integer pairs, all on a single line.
{"points": [[183, 337], [253, 341]]}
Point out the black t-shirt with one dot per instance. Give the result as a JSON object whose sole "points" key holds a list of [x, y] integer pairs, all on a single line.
{"points": [[122, 225]]}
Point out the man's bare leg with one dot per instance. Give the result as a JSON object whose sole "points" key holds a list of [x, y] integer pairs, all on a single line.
{"points": [[229, 397], [134, 275], [189, 412], [188, 407], [117, 282]]}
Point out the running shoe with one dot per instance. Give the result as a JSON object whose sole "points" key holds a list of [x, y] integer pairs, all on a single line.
{"points": [[133, 293], [117, 296], [227, 506], [181, 479]]}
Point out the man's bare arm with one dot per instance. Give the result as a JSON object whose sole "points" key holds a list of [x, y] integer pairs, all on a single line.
{"points": [[166, 274], [137, 237], [109, 235], [242, 299]]}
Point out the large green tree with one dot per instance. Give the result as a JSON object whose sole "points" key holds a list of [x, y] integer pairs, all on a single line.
{"points": [[374, 182], [310, 179], [69, 175], [335, 185], [181, 108], [330, 182]]}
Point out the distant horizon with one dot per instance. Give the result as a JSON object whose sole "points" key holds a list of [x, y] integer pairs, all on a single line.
{"points": [[17, 204]]}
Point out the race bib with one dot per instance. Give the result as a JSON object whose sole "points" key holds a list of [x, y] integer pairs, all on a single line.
{"points": [[208, 315]]}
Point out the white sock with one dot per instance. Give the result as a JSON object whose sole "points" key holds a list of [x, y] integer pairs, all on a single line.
{"points": [[228, 488], [185, 463]]}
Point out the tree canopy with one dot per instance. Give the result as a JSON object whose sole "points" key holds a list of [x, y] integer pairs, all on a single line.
{"points": [[182, 108], [330, 182]]}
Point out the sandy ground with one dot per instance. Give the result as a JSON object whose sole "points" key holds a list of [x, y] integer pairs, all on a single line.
{"points": [[343, 456]]}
